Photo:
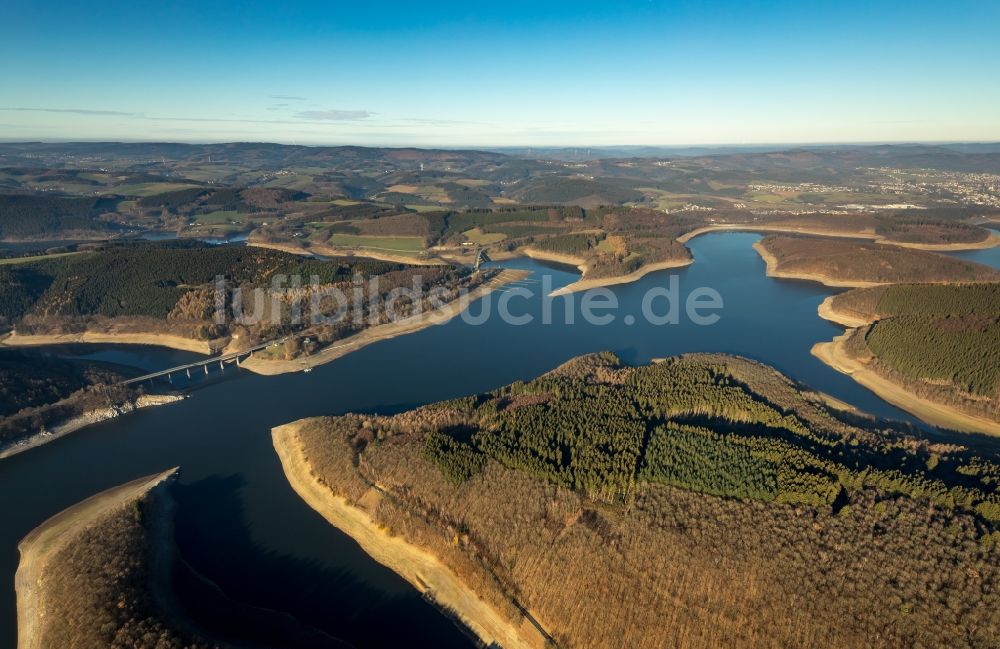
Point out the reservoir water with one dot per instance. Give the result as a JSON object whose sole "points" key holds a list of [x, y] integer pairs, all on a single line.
{"points": [[242, 527], [986, 256]]}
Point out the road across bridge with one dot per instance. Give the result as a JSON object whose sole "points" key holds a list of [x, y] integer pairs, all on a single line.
{"points": [[221, 360]]}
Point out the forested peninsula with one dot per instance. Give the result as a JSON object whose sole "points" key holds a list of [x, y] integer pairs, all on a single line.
{"points": [[98, 574], [931, 349], [850, 263], [733, 504]]}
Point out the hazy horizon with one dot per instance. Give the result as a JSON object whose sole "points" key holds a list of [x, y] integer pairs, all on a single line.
{"points": [[513, 146]]}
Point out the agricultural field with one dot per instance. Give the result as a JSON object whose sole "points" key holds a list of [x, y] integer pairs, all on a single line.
{"points": [[402, 245], [477, 236], [219, 217], [149, 189]]}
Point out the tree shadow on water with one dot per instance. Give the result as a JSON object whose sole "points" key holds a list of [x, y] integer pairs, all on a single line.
{"points": [[238, 589]]}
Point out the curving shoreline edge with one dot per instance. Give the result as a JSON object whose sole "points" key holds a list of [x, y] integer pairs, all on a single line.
{"points": [[418, 567], [771, 263], [833, 354], [42, 542]]}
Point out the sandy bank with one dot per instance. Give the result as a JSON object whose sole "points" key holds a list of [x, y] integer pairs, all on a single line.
{"points": [[828, 311], [834, 355], [749, 227], [386, 331], [772, 271], [114, 338], [557, 257], [52, 535], [417, 566], [84, 420], [584, 284]]}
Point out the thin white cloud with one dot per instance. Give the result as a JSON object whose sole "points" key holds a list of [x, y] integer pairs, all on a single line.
{"points": [[333, 115], [287, 97], [76, 111]]}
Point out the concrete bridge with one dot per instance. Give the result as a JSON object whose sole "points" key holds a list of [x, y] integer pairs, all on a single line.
{"points": [[233, 357]]}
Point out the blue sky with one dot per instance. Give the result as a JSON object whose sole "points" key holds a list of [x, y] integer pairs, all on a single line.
{"points": [[501, 73]]}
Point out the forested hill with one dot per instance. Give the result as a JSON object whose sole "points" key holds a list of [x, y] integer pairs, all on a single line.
{"points": [[149, 279], [53, 217], [732, 506], [850, 261], [149, 289], [712, 424], [939, 342]]}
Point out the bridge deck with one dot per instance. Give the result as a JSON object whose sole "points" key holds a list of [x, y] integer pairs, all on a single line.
{"points": [[222, 358]]}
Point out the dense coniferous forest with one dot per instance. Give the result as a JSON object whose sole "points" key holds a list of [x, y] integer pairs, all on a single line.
{"points": [[147, 279], [149, 289], [964, 351], [934, 226], [732, 506], [942, 341], [53, 217], [921, 300], [170, 285], [693, 423]]}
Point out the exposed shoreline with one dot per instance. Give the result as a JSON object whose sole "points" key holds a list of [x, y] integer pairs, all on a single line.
{"points": [[254, 364], [558, 257], [771, 262], [272, 367], [41, 543], [749, 227], [171, 341], [828, 312], [991, 241], [82, 421], [585, 283], [420, 568], [382, 332], [833, 354], [589, 283]]}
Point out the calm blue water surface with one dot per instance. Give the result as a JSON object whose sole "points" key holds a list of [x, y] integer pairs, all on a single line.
{"points": [[989, 256], [241, 526]]}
